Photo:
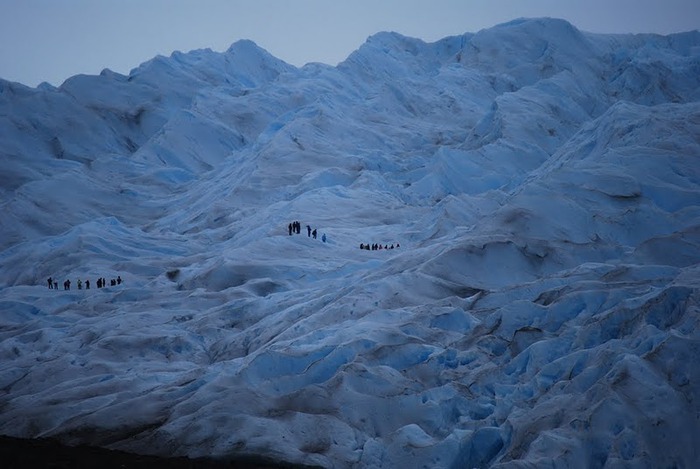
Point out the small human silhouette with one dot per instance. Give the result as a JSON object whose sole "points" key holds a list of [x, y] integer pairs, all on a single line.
{"points": [[87, 284], [55, 285], [313, 233], [50, 283], [290, 229], [308, 231], [323, 238], [80, 284], [119, 280]]}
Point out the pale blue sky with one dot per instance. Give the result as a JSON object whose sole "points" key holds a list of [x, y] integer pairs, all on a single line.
{"points": [[50, 40]]}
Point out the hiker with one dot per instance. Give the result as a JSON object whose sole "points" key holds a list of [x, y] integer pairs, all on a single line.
{"points": [[362, 245], [66, 285], [313, 233], [323, 238], [112, 282], [80, 284], [308, 231], [87, 284], [119, 280], [55, 285], [50, 283], [290, 229], [99, 283]]}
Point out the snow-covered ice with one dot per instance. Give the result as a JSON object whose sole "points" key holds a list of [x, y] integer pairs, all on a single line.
{"points": [[541, 311]]}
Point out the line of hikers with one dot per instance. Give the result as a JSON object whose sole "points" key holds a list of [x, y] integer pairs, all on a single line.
{"points": [[295, 228], [378, 247], [101, 282]]}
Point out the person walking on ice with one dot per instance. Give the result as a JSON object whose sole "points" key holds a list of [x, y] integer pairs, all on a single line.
{"points": [[50, 283], [323, 238]]}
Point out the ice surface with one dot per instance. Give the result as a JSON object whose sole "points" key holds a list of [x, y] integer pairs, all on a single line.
{"points": [[541, 310]]}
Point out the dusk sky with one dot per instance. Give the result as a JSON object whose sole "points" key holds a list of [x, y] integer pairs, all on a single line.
{"points": [[51, 40]]}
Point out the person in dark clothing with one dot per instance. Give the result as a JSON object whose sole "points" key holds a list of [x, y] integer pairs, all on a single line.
{"points": [[313, 233], [308, 231], [66, 285], [362, 245], [99, 283], [290, 229], [298, 227], [80, 284], [87, 284], [50, 283], [55, 285], [119, 280]]}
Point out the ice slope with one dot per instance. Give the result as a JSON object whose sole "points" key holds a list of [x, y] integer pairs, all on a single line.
{"points": [[112, 134], [542, 309]]}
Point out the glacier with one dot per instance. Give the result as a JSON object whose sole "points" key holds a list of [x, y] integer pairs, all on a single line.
{"points": [[541, 311]]}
